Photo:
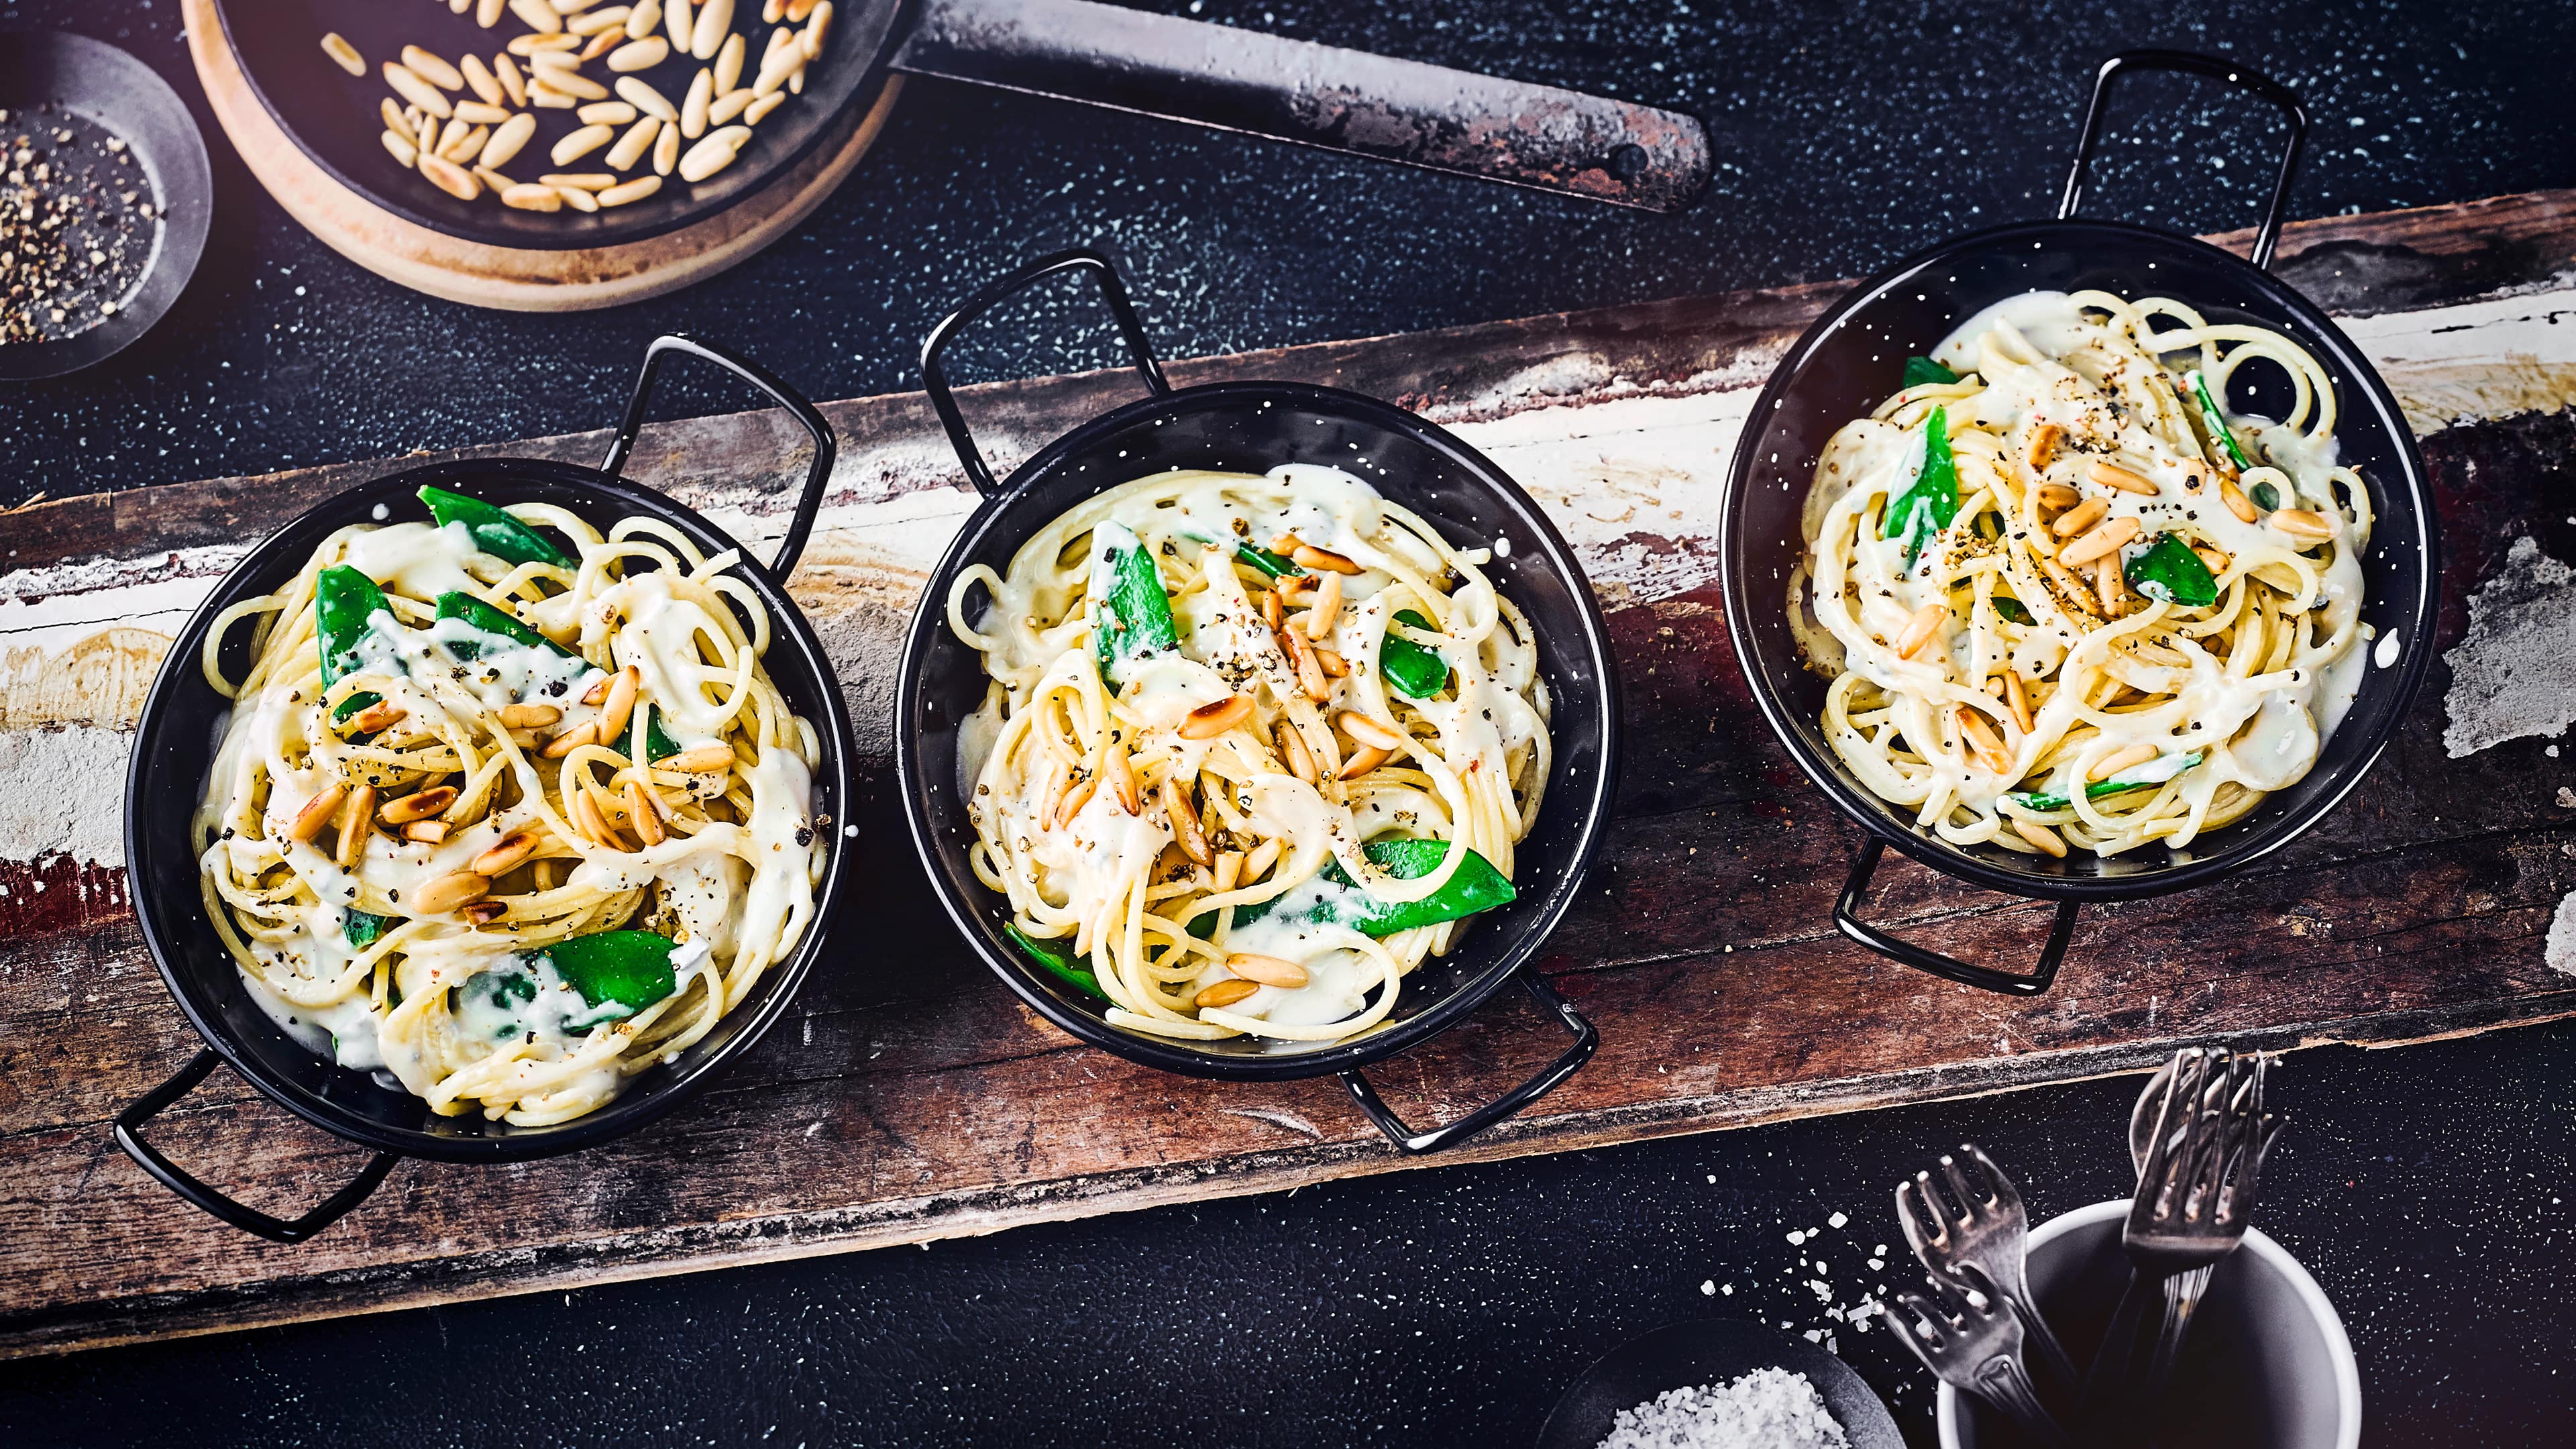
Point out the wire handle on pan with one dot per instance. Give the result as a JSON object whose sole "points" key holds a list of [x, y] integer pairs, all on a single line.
{"points": [[2243, 77], [1586, 1038], [935, 378], [1847, 920], [129, 1135], [808, 503]]}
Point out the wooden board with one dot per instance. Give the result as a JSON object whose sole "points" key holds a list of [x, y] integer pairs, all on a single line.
{"points": [[909, 1097], [513, 278]]}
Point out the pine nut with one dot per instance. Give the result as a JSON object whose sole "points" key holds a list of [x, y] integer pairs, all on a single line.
{"points": [[797, 10], [622, 690], [639, 54], [507, 139], [707, 158], [1216, 717], [581, 143], [378, 716], [1920, 629], [1268, 970], [577, 198], [1368, 731], [643, 19], [1335, 667], [588, 732], [666, 150], [431, 68], [676, 18], [593, 821], [795, 83], [635, 190], [1292, 749], [1263, 857], [451, 178], [487, 13], [1301, 656], [2111, 586], [1363, 762], [343, 54], [1327, 607], [783, 60], [571, 7], [1121, 774], [635, 144], [425, 832], [2081, 517], [537, 15], [646, 819], [595, 23], [448, 135], [729, 65], [581, 181], [1272, 613], [568, 83], [506, 71], [317, 812], [646, 99], [528, 196], [354, 825], [1981, 737], [1323, 560], [476, 113], [2195, 475], [731, 105], [2118, 760], [2301, 525], [1075, 796], [395, 121], [408, 85], [1227, 870], [772, 11], [499, 183], [1224, 993], [2055, 496], [402, 148], [448, 892], [544, 97], [698, 760], [2103, 539], [715, 21], [816, 32], [2234, 498], [607, 113], [419, 805], [761, 106], [2211, 559], [2043, 444], [2040, 836], [529, 47], [509, 852], [1185, 821], [2111, 475], [2017, 700], [693, 106], [483, 913], [467, 147], [603, 43], [425, 134]]}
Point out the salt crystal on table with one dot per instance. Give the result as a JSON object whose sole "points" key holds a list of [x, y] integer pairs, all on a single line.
{"points": [[1769, 1408], [1836, 1221]]}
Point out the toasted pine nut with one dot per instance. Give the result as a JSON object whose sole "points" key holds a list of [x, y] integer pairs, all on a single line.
{"points": [[506, 139], [730, 105], [2043, 443], [1263, 857], [760, 107], [2236, 501], [1227, 870], [2111, 586], [2212, 559], [2072, 590], [448, 135], [1982, 739], [714, 23], [729, 65], [643, 19], [1292, 750], [1335, 667], [1327, 606], [509, 852], [678, 19], [1268, 970], [708, 157], [2017, 700], [424, 134], [1121, 774], [449, 891], [1224, 993], [2111, 475], [603, 43], [2301, 525], [820, 30], [2080, 517], [2118, 760], [425, 832], [1920, 629], [1272, 613], [635, 190], [2058, 496], [451, 178], [343, 54], [2103, 539], [484, 913], [577, 198], [2195, 475], [479, 114], [528, 196], [418, 805], [2040, 836], [783, 59], [514, 85], [595, 23], [607, 113], [317, 812], [402, 148], [1368, 731], [466, 148], [588, 731], [772, 11], [635, 144], [1301, 657], [594, 822], [1216, 717], [432, 69], [529, 716], [642, 813], [395, 121], [795, 87], [499, 183], [355, 822], [1363, 762], [578, 144], [529, 47], [487, 13], [580, 181], [693, 106], [1185, 821], [538, 15], [1323, 560], [666, 149], [637, 55], [797, 10], [623, 687], [408, 84], [698, 759]]}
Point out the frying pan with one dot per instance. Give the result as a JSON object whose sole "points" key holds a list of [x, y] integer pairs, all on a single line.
{"points": [[167, 775], [1252, 427], [1851, 358], [1183, 70]]}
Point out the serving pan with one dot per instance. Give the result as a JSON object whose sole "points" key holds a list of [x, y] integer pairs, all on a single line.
{"points": [[1183, 70], [183, 713], [1850, 360], [1253, 427]]}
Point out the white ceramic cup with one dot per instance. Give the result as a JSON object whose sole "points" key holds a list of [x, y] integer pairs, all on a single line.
{"points": [[2265, 1336]]}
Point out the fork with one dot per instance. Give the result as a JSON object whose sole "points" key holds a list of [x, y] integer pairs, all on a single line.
{"points": [[2184, 1291], [2195, 1194], [1989, 1231], [1970, 1339]]}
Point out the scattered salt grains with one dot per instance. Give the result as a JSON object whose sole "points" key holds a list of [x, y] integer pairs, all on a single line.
{"points": [[1837, 1220], [1769, 1408]]}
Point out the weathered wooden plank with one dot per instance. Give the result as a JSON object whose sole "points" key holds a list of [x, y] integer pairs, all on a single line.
{"points": [[909, 1097]]}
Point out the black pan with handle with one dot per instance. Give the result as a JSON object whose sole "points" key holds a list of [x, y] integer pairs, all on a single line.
{"points": [[1182, 70]]}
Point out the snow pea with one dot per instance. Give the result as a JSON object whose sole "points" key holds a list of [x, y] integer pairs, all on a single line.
{"points": [[1269, 563], [1928, 506], [344, 599], [1416, 672], [1057, 957], [1474, 886], [2216, 419], [362, 928], [629, 968], [1920, 370], [2153, 772], [2170, 571], [496, 531], [486, 619], [1131, 616]]}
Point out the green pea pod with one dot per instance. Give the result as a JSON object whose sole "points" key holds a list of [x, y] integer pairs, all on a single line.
{"points": [[1266, 561], [344, 599], [2216, 419], [362, 928], [1927, 507], [1474, 886], [659, 745], [1131, 616], [1416, 672], [629, 968], [486, 619], [1920, 370], [1059, 961], [2153, 772], [2170, 571], [495, 530]]}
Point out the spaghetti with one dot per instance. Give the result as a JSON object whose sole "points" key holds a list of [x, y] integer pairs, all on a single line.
{"points": [[2065, 599], [503, 821], [1255, 746]]}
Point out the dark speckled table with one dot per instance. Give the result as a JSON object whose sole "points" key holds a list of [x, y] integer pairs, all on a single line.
{"points": [[2425, 1187]]}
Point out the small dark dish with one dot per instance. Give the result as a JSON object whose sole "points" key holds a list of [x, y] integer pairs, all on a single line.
{"points": [[1253, 427], [1850, 360], [168, 774], [108, 88], [1711, 1351]]}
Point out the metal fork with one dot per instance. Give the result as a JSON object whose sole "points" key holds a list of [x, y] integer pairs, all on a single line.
{"points": [[2183, 1291], [1989, 1232], [2195, 1195], [1971, 1340]]}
